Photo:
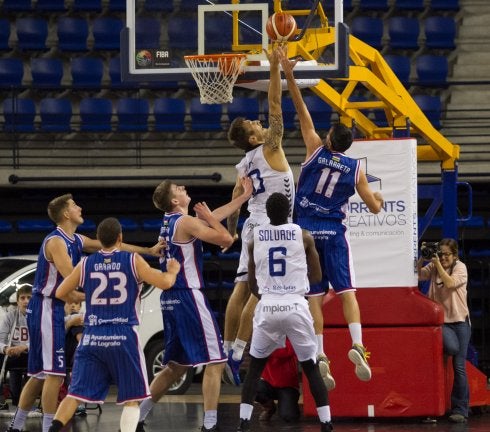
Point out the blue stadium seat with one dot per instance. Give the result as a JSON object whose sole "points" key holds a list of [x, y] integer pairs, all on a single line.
{"points": [[87, 5], [117, 5], [46, 72], [178, 39], [410, 5], [431, 107], [148, 33], [169, 114], [87, 226], [444, 5], [106, 33], [115, 74], [5, 226], [404, 32], [55, 114], [31, 33], [72, 34], [369, 30], [16, 5], [50, 5], [379, 5], [11, 72], [440, 32], [132, 114], [128, 224], [152, 225], [432, 70], [35, 225], [247, 107], [87, 72], [319, 110], [205, 117], [4, 34], [158, 6], [95, 115], [400, 65], [218, 33], [19, 115], [288, 113]]}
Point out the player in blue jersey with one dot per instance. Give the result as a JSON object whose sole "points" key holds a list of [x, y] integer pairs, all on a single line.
{"points": [[61, 250], [192, 335], [283, 262], [266, 164], [328, 179], [109, 352]]}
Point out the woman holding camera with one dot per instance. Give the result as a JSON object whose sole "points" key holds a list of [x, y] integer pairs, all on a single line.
{"points": [[448, 278]]}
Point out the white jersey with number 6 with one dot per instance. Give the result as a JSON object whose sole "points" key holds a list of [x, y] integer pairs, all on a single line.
{"points": [[280, 260]]}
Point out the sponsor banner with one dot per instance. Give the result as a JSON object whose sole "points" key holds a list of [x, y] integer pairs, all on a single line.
{"points": [[384, 246]]}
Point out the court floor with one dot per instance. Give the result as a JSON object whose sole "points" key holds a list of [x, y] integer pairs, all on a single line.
{"points": [[184, 414]]}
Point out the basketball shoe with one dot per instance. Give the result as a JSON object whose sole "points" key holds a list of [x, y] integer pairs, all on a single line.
{"points": [[232, 370], [324, 366], [359, 356], [326, 427], [244, 426]]}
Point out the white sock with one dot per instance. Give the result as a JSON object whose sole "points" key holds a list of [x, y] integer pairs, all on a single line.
{"points": [[129, 418], [324, 413], [238, 348], [227, 346], [319, 344], [355, 330], [246, 411], [47, 420], [145, 407], [19, 419], [210, 418]]}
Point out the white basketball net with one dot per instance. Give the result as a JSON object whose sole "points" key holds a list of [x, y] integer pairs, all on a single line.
{"points": [[216, 75]]}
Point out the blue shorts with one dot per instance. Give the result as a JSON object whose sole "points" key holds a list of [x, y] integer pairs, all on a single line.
{"points": [[106, 355], [192, 335], [46, 324], [332, 244]]}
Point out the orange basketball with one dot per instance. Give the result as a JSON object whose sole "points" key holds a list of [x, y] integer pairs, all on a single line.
{"points": [[281, 27]]}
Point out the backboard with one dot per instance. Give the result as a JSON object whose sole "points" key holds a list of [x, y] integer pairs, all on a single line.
{"points": [[157, 37]]}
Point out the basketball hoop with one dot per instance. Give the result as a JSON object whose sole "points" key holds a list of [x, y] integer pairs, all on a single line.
{"points": [[215, 75]]}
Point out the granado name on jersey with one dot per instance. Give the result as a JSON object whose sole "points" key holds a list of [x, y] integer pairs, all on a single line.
{"points": [[276, 235]]}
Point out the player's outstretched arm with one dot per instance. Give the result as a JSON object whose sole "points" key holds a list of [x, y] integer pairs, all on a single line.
{"points": [[374, 200], [310, 136]]}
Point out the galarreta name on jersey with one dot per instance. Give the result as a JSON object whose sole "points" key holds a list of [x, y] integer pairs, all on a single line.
{"points": [[334, 163], [275, 235]]}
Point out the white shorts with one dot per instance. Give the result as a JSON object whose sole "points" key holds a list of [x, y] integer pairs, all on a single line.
{"points": [[247, 236], [278, 317]]}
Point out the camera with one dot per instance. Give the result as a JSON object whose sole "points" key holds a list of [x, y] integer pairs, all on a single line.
{"points": [[429, 250]]}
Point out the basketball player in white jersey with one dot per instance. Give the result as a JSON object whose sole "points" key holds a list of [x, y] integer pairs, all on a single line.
{"points": [[266, 164], [283, 262]]}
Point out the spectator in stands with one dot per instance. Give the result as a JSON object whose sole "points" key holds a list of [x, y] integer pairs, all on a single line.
{"points": [[280, 381], [448, 277], [74, 329], [14, 342]]}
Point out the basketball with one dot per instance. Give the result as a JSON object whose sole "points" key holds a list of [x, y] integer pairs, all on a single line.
{"points": [[281, 27]]}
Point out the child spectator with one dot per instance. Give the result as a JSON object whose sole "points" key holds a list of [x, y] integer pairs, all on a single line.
{"points": [[14, 343]]}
